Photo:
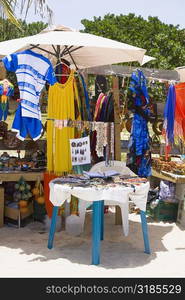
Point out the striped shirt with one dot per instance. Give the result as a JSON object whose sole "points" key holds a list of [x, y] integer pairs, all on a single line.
{"points": [[32, 71]]}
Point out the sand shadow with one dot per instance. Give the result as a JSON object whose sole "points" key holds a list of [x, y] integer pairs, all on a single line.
{"points": [[117, 251]]}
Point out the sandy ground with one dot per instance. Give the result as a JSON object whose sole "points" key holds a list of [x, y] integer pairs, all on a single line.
{"points": [[24, 253]]}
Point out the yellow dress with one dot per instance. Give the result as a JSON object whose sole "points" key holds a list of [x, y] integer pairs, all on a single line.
{"points": [[61, 106]]}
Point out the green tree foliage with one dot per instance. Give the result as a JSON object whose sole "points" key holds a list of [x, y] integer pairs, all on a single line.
{"points": [[9, 31], [164, 42], [7, 9]]}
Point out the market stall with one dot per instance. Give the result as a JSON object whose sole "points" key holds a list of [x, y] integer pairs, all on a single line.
{"points": [[68, 51], [169, 167]]}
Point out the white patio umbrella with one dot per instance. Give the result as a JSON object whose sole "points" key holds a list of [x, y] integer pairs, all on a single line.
{"points": [[82, 50], [181, 72]]}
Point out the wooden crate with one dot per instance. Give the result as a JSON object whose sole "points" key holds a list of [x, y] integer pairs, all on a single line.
{"points": [[1, 206], [14, 213]]}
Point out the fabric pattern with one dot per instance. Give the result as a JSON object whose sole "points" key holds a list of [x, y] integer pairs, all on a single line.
{"points": [[174, 116], [32, 71], [61, 106], [169, 116], [6, 91], [179, 124], [139, 156]]}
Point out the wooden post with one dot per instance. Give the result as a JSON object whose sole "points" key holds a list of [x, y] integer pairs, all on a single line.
{"points": [[1, 206], [117, 156], [117, 148]]}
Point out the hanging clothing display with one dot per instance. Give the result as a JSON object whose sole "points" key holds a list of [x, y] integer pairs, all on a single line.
{"points": [[139, 156], [104, 112], [169, 116], [6, 91], [63, 103], [87, 102], [101, 85], [179, 122], [174, 116], [62, 70], [32, 70], [84, 97]]}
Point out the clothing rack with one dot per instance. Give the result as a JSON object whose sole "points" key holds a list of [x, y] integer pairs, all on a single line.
{"points": [[66, 75], [80, 122]]}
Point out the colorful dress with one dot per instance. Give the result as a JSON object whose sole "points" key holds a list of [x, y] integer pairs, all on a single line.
{"points": [[174, 116], [6, 90], [139, 156], [32, 71], [63, 104]]}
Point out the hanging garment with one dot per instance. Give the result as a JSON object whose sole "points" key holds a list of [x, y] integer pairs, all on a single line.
{"points": [[139, 156], [86, 97], [108, 115], [32, 71], [98, 106], [6, 91], [179, 124], [62, 71], [100, 85], [104, 112], [174, 116], [169, 116], [63, 104]]}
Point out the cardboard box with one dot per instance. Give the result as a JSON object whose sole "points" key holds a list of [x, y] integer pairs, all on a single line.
{"points": [[13, 213], [1, 206]]}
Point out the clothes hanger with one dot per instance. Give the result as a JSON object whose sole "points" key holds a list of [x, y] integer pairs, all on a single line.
{"points": [[61, 63]]}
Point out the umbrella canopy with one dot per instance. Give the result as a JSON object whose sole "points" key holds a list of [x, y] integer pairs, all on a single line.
{"points": [[82, 50], [146, 59], [181, 72]]}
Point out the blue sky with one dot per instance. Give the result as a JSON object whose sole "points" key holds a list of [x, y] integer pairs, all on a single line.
{"points": [[71, 12]]}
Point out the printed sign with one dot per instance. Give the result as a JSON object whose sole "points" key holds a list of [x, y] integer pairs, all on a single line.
{"points": [[80, 151]]}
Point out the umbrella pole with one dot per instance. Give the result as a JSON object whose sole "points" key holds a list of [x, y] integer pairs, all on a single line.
{"points": [[72, 58]]}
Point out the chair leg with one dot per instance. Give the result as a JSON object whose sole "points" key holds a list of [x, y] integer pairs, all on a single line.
{"points": [[52, 227], [102, 221], [82, 206], [124, 213], [96, 232], [145, 231]]}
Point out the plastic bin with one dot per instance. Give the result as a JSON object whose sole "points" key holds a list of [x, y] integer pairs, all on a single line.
{"points": [[164, 211]]}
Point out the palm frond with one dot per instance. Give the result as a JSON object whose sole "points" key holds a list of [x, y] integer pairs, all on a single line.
{"points": [[41, 7], [6, 9]]}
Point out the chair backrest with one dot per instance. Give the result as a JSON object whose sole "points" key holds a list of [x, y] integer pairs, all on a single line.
{"points": [[115, 165]]}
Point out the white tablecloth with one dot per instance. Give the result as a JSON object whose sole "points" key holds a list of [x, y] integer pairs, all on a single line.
{"points": [[114, 195], [59, 193]]}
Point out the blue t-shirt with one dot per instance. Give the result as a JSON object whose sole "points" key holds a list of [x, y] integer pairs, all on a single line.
{"points": [[32, 71]]}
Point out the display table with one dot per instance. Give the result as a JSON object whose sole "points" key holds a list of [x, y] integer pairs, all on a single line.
{"points": [[169, 176], [15, 175], [116, 193]]}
